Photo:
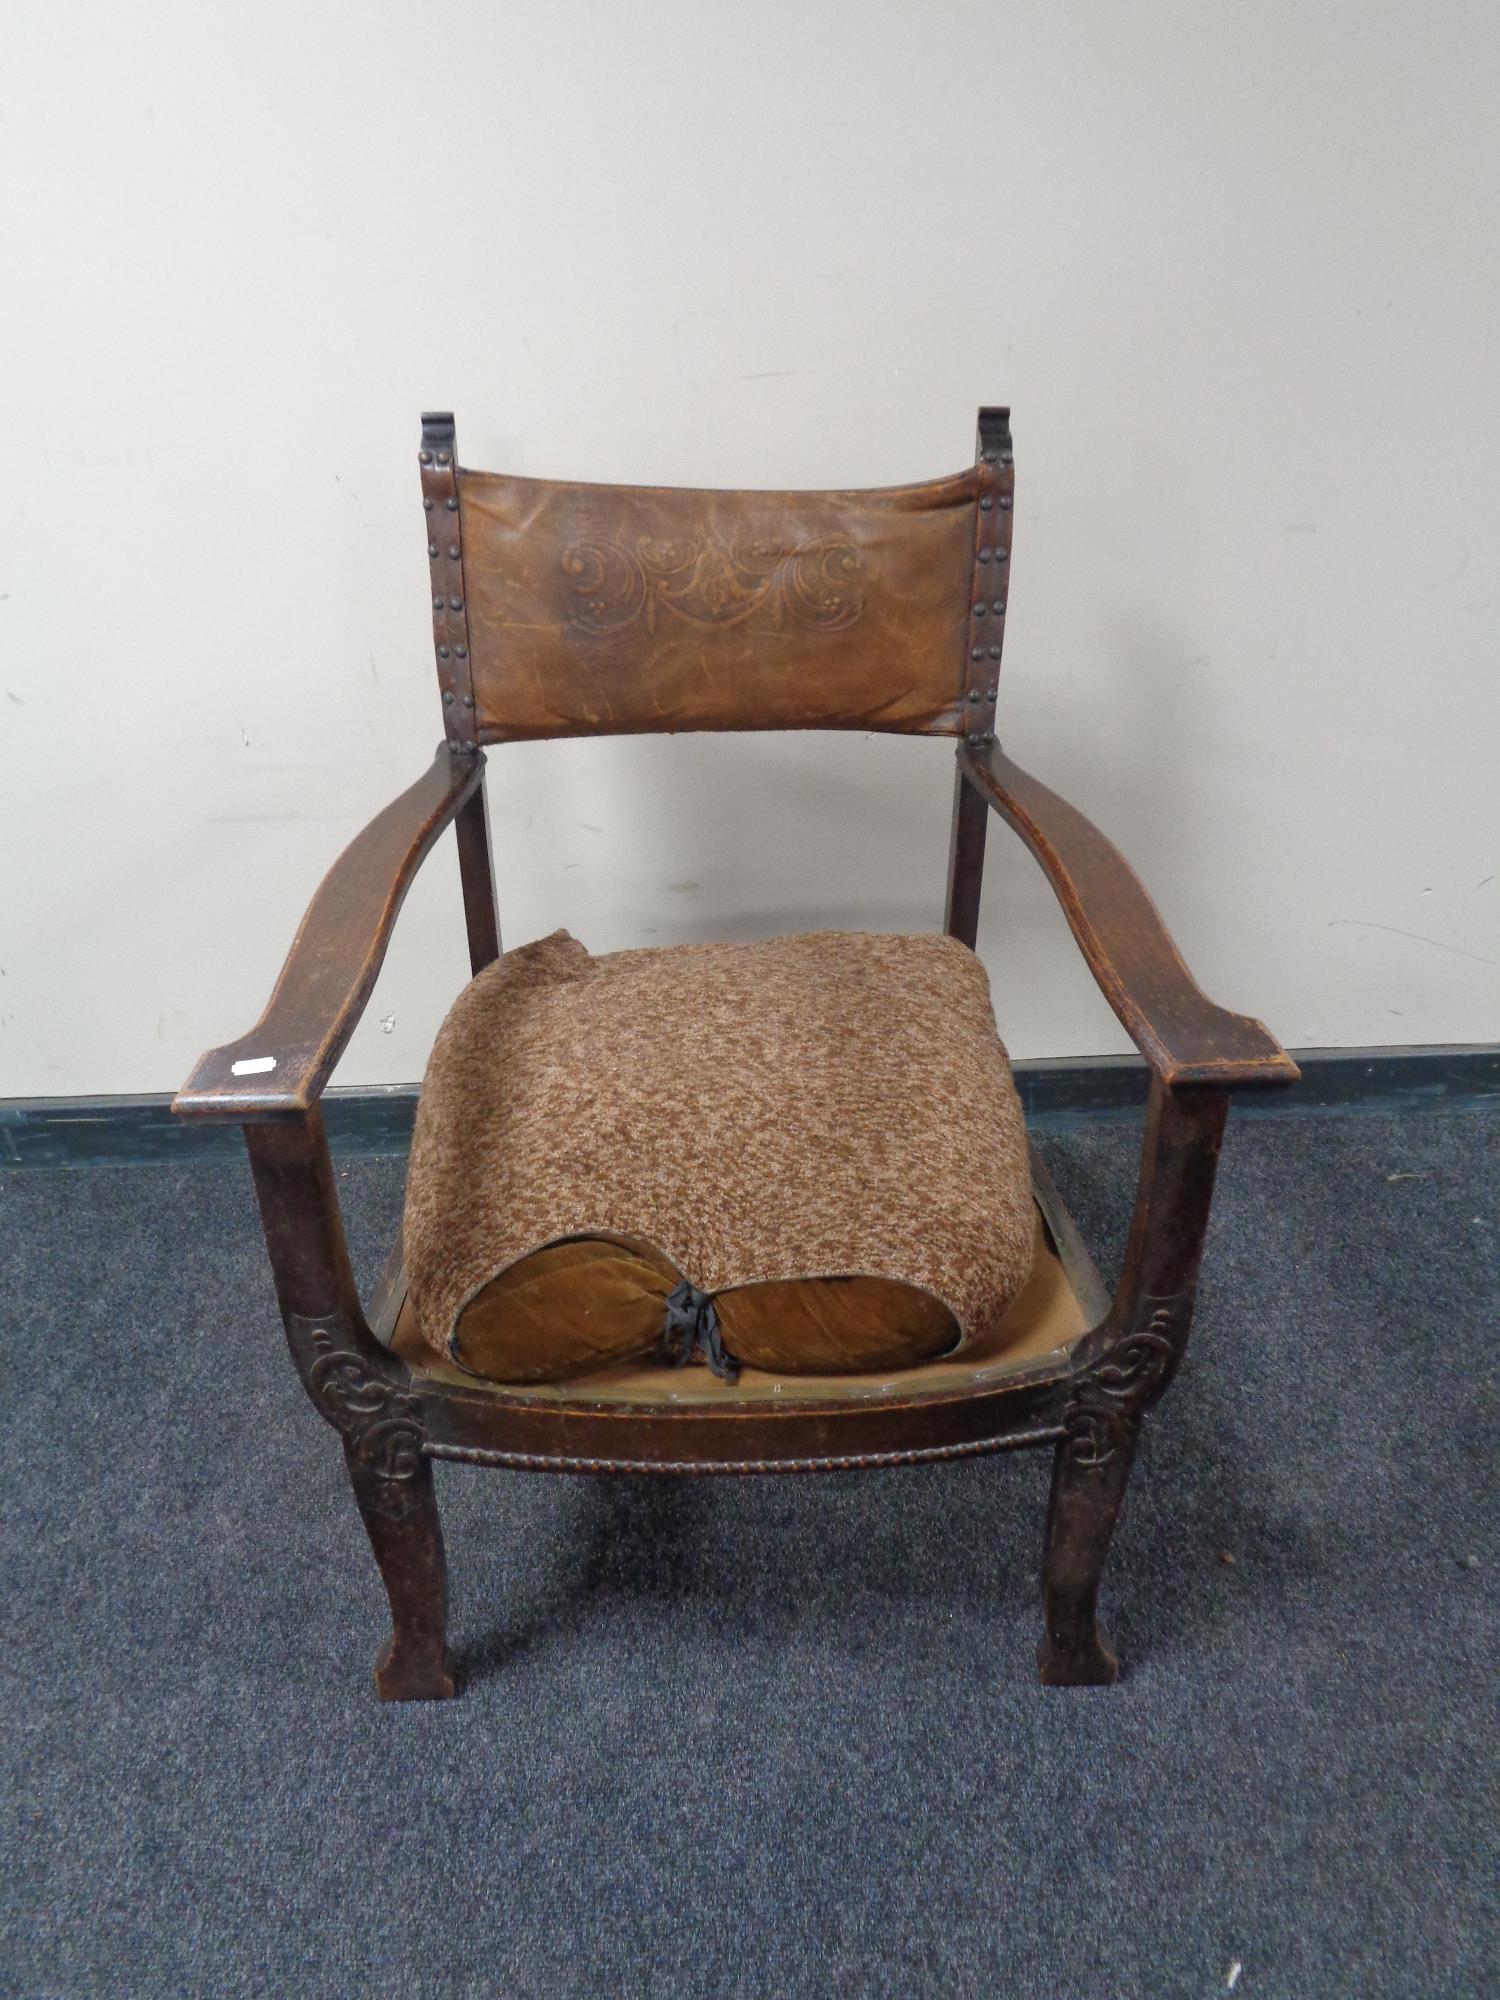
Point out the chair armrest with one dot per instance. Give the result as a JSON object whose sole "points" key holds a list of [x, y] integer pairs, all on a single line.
{"points": [[330, 971], [1185, 1038]]}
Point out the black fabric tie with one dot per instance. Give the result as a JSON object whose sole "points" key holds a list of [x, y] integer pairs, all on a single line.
{"points": [[692, 1327]]}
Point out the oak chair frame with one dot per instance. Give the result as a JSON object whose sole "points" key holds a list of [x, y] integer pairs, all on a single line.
{"points": [[395, 1422]]}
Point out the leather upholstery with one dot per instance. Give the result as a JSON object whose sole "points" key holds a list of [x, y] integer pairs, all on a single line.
{"points": [[594, 1302], [619, 609], [1040, 1326]]}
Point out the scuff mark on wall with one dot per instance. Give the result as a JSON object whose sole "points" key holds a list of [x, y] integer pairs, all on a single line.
{"points": [[1360, 923]]}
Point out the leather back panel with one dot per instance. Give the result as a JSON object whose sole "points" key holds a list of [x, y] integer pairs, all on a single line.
{"points": [[619, 609]]}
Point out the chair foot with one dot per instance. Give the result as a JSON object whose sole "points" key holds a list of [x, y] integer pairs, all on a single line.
{"points": [[1089, 1476], [396, 1499], [1079, 1662], [406, 1676]]}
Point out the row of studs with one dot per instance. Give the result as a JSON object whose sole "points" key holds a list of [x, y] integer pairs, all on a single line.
{"points": [[923, 1454], [448, 610], [996, 554]]}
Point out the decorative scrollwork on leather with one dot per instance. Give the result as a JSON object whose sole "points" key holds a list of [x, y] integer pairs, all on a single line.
{"points": [[819, 584], [381, 1427], [1106, 1404]]}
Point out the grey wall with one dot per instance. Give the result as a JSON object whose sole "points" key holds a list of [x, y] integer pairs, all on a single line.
{"points": [[1232, 266]]}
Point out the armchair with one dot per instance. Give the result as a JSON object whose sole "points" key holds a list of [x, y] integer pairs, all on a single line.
{"points": [[569, 610]]}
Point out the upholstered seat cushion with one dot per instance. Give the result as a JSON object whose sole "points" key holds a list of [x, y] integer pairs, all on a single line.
{"points": [[819, 1133]]}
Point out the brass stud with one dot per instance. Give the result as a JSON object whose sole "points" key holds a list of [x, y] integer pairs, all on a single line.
{"points": [[975, 737], [979, 610], [994, 652], [437, 604], [442, 652], [462, 652], [976, 653], [455, 604], [468, 701], [453, 552], [1007, 458], [432, 548], [1002, 555], [990, 693], [451, 504], [985, 504], [447, 698], [973, 694], [424, 458], [1006, 503], [984, 555], [427, 501], [999, 606], [442, 458], [989, 458]]}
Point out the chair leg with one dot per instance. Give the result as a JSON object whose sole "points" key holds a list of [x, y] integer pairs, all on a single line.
{"points": [[401, 1519], [1089, 1476], [1134, 1355], [364, 1392]]}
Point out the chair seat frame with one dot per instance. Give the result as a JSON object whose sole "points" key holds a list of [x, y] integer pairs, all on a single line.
{"points": [[1085, 1405]]}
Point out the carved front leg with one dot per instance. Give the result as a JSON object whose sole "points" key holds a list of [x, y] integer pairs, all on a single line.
{"points": [[408, 1545], [360, 1395], [1129, 1362], [363, 1392], [1101, 1422]]}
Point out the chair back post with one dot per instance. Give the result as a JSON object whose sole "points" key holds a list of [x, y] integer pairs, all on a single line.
{"points": [[989, 592], [476, 869], [437, 461], [965, 860]]}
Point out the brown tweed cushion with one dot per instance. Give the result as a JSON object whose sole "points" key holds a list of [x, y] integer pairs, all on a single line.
{"points": [[834, 1104]]}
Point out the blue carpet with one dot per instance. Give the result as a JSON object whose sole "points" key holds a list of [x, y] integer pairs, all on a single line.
{"points": [[774, 1737]]}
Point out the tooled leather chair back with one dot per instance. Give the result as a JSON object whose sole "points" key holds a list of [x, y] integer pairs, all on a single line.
{"points": [[574, 610]]}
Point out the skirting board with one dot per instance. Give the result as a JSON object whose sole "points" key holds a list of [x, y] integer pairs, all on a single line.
{"points": [[91, 1132]]}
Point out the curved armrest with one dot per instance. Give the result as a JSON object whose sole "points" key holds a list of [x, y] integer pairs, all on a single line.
{"points": [[281, 1066], [1177, 1028]]}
